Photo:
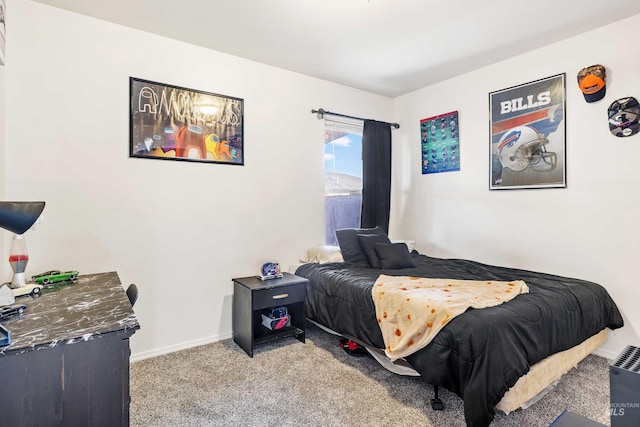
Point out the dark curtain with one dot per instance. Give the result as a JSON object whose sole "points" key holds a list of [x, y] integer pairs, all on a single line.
{"points": [[376, 174]]}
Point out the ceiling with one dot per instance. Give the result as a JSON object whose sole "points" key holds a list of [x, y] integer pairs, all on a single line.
{"points": [[389, 47]]}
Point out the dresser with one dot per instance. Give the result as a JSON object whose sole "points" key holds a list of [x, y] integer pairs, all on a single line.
{"points": [[68, 361]]}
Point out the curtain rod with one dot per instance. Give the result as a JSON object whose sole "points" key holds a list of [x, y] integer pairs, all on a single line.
{"points": [[322, 112]]}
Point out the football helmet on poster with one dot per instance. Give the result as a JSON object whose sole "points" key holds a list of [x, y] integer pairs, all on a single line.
{"points": [[525, 146]]}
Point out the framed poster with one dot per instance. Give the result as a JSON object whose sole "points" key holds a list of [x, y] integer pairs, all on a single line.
{"points": [[175, 123], [527, 129], [440, 143], [3, 30]]}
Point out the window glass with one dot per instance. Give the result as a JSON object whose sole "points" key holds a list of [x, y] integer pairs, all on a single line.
{"points": [[342, 176]]}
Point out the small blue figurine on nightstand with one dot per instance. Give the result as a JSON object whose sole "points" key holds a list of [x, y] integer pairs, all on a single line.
{"points": [[270, 270]]}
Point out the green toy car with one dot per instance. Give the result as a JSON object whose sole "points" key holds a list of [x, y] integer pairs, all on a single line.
{"points": [[55, 276]]}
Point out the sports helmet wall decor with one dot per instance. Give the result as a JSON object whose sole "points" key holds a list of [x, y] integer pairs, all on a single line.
{"points": [[525, 146]]}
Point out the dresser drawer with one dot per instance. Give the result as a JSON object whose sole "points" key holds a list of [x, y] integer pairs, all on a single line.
{"points": [[281, 295]]}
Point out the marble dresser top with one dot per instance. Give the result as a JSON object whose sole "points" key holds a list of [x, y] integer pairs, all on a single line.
{"points": [[95, 305]]}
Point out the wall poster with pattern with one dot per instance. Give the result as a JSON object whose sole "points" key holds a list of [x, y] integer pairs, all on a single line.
{"points": [[528, 135], [440, 143]]}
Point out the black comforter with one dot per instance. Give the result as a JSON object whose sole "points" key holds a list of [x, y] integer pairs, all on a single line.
{"points": [[480, 354]]}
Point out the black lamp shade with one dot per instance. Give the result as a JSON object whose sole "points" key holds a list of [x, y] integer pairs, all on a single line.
{"points": [[18, 217]]}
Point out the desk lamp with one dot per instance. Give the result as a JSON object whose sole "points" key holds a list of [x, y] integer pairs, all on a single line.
{"points": [[18, 217]]}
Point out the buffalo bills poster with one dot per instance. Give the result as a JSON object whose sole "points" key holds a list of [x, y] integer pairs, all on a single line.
{"points": [[527, 125], [440, 143]]}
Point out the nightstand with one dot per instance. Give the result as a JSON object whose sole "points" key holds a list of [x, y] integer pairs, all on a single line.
{"points": [[251, 296]]}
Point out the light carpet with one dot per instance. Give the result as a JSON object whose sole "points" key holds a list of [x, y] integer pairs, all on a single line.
{"points": [[288, 383]]}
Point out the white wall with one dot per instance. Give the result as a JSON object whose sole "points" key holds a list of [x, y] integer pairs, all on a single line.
{"points": [[179, 230], [590, 230]]}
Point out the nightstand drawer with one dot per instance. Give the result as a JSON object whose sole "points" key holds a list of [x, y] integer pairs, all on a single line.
{"points": [[282, 295]]}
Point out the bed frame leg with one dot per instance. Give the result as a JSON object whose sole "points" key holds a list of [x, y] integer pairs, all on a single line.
{"points": [[436, 403]]}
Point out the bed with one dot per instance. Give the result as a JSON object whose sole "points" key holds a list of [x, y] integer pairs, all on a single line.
{"points": [[481, 354]]}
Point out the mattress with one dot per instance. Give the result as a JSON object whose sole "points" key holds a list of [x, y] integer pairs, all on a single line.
{"points": [[529, 388], [480, 354], [532, 386]]}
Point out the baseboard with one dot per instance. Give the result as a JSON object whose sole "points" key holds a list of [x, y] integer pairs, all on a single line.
{"points": [[177, 347], [607, 354]]}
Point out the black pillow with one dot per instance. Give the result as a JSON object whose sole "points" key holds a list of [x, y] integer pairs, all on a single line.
{"points": [[368, 242], [350, 246], [394, 255]]}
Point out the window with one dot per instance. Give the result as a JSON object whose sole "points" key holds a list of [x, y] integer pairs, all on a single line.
{"points": [[342, 176]]}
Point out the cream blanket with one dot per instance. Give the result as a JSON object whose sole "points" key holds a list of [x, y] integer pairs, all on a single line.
{"points": [[412, 310]]}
